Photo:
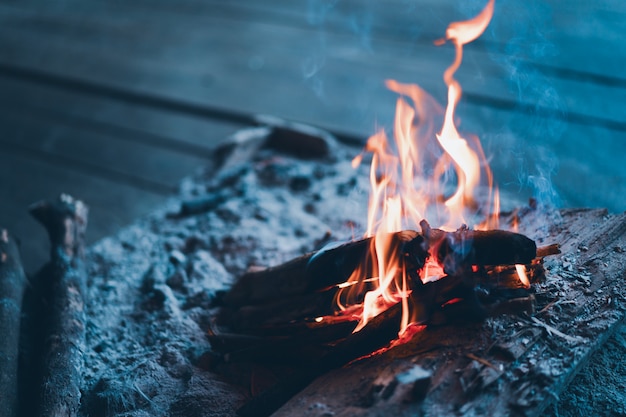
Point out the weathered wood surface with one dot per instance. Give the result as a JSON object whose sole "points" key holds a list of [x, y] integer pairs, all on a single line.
{"points": [[511, 366]]}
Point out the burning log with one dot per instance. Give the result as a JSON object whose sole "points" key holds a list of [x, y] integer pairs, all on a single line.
{"points": [[66, 221], [281, 311], [327, 268], [467, 247], [316, 271], [12, 286], [378, 333], [284, 314], [286, 311]]}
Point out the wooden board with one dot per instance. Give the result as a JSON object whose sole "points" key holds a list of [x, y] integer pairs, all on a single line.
{"points": [[50, 103], [263, 45], [508, 366], [113, 204], [256, 59], [553, 35]]}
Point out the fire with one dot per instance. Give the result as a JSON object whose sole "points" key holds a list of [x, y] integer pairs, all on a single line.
{"points": [[410, 177]]}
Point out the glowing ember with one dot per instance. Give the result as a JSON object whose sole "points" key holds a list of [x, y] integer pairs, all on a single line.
{"points": [[410, 178], [521, 273]]}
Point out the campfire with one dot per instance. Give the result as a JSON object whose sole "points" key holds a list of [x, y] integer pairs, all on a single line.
{"points": [[302, 275], [360, 298]]}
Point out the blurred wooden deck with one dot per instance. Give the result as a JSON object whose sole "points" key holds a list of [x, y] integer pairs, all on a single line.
{"points": [[116, 101]]}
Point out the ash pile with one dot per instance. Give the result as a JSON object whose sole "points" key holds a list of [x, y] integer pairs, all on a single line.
{"points": [[154, 290]]}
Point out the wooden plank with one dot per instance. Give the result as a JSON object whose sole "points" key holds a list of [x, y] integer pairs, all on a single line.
{"points": [[580, 36], [365, 90], [256, 42], [524, 381], [144, 166], [25, 179], [353, 98], [345, 88], [179, 133], [520, 136]]}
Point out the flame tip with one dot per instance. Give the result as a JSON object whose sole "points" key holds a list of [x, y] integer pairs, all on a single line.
{"points": [[400, 197]]}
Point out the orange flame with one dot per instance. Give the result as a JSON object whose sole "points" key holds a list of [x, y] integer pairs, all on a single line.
{"points": [[401, 196]]}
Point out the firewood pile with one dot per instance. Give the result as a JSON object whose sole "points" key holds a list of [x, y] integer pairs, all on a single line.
{"points": [[282, 308], [283, 314], [211, 306]]}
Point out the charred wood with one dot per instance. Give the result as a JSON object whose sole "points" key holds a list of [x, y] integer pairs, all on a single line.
{"points": [[326, 268], [298, 307], [548, 250], [199, 205], [465, 247], [316, 271], [65, 220], [381, 330]]}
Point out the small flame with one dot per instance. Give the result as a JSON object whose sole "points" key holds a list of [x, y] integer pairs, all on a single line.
{"points": [[521, 273], [402, 196], [520, 269]]}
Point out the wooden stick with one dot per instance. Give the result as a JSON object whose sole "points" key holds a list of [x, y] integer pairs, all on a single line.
{"points": [[544, 251], [12, 285], [66, 221]]}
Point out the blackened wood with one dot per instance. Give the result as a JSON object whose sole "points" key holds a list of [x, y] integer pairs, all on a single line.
{"points": [[375, 335], [506, 276], [457, 250], [278, 338], [65, 220], [12, 285], [467, 359], [315, 271], [297, 307], [199, 205]]}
